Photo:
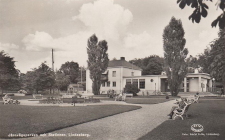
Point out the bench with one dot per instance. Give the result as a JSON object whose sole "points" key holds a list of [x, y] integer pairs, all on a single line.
{"points": [[120, 98], [10, 101], [194, 99], [181, 112], [7, 100], [37, 96], [129, 95]]}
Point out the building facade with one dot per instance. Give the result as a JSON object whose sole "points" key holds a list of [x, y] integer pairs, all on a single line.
{"points": [[120, 72]]}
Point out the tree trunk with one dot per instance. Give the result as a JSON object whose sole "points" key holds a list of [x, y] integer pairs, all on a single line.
{"points": [[96, 87]]}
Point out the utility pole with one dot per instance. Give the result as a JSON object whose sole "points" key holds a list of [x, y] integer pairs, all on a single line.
{"points": [[81, 75], [52, 60], [53, 66]]}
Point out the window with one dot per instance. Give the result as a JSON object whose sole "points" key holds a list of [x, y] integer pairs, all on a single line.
{"points": [[142, 83], [128, 81], [114, 74], [108, 84], [135, 82], [103, 84], [114, 84]]}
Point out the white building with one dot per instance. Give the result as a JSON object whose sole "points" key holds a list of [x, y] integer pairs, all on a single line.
{"points": [[120, 72]]}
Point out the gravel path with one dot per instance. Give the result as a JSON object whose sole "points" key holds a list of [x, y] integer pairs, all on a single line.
{"points": [[125, 126]]}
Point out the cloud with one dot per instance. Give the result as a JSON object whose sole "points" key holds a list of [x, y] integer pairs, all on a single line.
{"points": [[137, 40], [8, 47], [68, 48], [106, 19], [37, 41], [201, 42], [142, 45]]}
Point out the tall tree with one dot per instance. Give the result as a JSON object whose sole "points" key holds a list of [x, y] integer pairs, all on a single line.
{"points": [[174, 54], [62, 81], [152, 65], [8, 73], [204, 61], [217, 54], [71, 69], [97, 61], [40, 79], [200, 10]]}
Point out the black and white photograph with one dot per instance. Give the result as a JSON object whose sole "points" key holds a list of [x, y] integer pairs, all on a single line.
{"points": [[112, 69]]}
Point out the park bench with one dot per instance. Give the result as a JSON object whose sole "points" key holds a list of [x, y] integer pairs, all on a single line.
{"points": [[194, 99], [129, 95], [7, 100], [10, 101], [120, 98], [37, 96], [181, 112]]}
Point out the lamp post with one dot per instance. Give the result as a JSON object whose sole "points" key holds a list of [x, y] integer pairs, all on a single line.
{"points": [[132, 73], [213, 84]]}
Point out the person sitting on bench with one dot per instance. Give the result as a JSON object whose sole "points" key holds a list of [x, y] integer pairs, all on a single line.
{"points": [[180, 105]]}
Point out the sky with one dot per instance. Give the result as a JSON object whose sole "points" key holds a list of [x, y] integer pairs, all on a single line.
{"points": [[29, 29]]}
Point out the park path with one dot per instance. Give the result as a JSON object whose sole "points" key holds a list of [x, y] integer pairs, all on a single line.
{"points": [[125, 126]]}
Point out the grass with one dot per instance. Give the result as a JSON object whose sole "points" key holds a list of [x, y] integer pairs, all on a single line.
{"points": [[209, 113], [38, 120]]}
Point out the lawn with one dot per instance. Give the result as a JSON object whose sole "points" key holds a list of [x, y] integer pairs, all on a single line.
{"points": [[38, 120], [209, 113]]}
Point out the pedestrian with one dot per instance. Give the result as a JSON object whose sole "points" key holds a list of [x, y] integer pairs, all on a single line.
{"points": [[222, 92]]}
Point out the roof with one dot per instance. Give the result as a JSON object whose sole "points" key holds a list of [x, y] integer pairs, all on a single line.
{"points": [[75, 85], [123, 63], [165, 76]]}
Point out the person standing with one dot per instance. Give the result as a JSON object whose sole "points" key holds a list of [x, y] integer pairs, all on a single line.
{"points": [[222, 92]]}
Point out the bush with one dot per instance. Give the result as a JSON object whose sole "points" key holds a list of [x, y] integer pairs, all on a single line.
{"points": [[167, 96], [131, 88]]}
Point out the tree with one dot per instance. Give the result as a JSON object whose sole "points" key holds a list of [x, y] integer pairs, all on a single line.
{"points": [[8, 73], [45, 77], [174, 54], [152, 65], [71, 69], [41, 78], [200, 10], [62, 81], [97, 61], [131, 88], [204, 61], [28, 81], [217, 54]]}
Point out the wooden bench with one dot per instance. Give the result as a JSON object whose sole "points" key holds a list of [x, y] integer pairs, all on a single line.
{"points": [[181, 112], [37, 96], [129, 95], [120, 98], [194, 99], [7, 100]]}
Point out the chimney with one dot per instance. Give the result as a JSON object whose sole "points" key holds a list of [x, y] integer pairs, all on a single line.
{"points": [[122, 58]]}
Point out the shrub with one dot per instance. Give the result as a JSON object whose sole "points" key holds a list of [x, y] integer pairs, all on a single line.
{"points": [[131, 88]]}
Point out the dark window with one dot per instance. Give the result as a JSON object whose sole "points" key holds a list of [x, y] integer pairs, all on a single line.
{"points": [[142, 83], [135, 82], [108, 84], [114, 74], [114, 84], [103, 84], [128, 81]]}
